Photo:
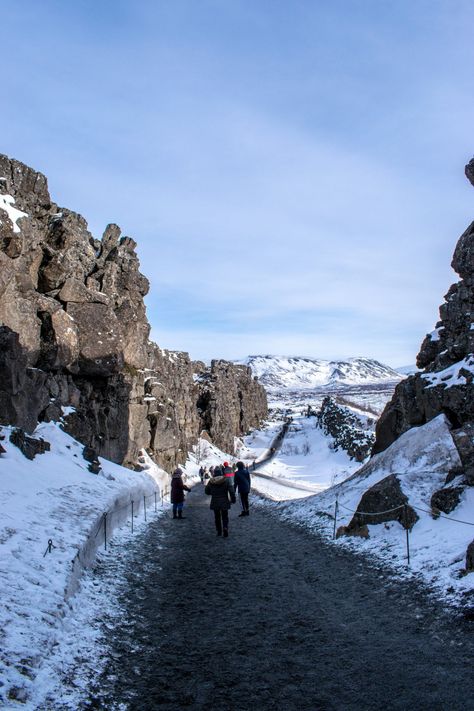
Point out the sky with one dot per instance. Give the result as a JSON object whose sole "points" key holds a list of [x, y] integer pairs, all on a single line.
{"points": [[292, 171]]}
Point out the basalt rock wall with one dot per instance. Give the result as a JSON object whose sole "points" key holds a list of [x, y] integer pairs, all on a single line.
{"points": [[75, 333], [445, 384]]}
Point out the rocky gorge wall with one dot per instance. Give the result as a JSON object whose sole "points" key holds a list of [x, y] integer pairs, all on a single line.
{"points": [[446, 359], [74, 333]]}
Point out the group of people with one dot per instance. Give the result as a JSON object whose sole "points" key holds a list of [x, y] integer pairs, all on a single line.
{"points": [[221, 484]]}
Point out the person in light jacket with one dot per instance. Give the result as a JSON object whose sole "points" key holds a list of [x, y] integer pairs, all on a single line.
{"points": [[222, 494], [178, 487], [242, 484]]}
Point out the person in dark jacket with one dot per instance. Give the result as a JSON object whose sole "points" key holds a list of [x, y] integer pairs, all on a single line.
{"points": [[178, 487], [242, 483], [222, 494]]}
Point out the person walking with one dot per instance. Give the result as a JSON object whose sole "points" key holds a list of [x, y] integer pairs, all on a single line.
{"points": [[222, 494], [227, 470], [242, 483], [178, 487]]}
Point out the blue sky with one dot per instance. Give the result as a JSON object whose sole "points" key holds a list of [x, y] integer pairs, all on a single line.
{"points": [[292, 171]]}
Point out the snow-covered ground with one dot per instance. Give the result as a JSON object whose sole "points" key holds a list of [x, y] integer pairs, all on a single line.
{"points": [[55, 498], [306, 456], [421, 458]]}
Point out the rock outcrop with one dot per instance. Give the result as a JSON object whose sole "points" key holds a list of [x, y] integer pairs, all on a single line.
{"points": [[75, 333], [346, 428], [446, 358], [384, 501]]}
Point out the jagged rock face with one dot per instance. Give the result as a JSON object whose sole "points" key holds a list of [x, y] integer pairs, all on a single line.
{"points": [[231, 401], [77, 306], [446, 356]]}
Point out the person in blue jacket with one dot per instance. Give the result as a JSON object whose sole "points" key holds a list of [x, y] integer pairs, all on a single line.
{"points": [[242, 483]]}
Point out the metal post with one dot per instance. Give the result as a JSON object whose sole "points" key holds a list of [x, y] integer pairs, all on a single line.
{"points": [[408, 534], [155, 501], [336, 506], [132, 516], [105, 531], [144, 506], [162, 499]]}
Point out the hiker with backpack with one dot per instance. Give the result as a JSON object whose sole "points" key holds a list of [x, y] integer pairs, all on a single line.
{"points": [[221, 491], [242, 483]]}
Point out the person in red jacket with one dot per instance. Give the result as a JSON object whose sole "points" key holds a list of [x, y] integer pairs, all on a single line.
{"points": [[178, 487]]}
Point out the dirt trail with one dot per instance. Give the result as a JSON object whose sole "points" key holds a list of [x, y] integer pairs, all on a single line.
{"points": [[274, 618]]}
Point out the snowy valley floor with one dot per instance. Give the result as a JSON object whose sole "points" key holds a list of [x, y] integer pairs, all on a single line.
{"points": [[271, 618], [170, 617]]}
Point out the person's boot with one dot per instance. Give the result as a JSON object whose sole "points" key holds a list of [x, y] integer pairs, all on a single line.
{"points": [[226, 533], [175, 516], [180, 514], [244, 513], [219, 532], [247, 512]]}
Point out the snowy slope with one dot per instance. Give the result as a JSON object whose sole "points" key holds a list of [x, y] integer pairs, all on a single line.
{"points": [[297, 372], [53, 497], [421, 458]]}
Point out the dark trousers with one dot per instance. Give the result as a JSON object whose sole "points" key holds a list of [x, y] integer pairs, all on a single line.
{"points": [[221, 517], [244, 498]]}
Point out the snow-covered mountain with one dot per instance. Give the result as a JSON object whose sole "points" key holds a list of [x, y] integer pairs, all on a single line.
{"points": [[298, 372]]}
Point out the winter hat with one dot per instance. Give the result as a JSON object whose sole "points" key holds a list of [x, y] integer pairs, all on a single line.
{"points": [[240, 466], [178, 471], [226, 464], [217, 471]]}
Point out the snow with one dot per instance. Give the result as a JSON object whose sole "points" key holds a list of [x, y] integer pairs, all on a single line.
{"points": [[299, 372], [54, 497], [421, 459], [6, 203], [434, 335], [451, 376], [307, 456]]}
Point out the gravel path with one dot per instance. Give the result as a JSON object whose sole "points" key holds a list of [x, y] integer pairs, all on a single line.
{"points": [[275, 618]]}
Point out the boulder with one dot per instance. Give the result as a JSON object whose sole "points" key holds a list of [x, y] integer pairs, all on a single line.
{"points": [[384, 501], [29, 445], [446, 500]]}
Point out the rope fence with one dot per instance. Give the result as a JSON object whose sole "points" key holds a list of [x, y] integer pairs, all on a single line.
{"points": [[436, 513], [156, 495]]}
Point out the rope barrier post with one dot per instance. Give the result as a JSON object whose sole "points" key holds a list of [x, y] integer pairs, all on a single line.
{"points": [[49, 548], [162, 499], [155, 501], [405, 513], [336, 506], [132, 516], [105, 531], [144, 506]]}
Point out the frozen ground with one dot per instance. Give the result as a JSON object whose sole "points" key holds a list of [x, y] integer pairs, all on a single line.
{"points": [[421, 458], [53, 498], [54, 645], [270, 618]]}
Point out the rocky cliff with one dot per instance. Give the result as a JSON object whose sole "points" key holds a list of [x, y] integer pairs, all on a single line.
{"points": [[446, 358], [75, 333]]}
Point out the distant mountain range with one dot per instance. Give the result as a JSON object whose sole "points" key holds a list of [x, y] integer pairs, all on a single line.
{"points": [[297, 372]]}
